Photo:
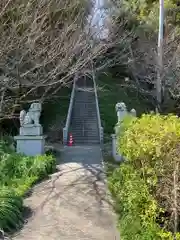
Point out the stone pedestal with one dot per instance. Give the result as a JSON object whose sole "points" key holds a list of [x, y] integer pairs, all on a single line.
{"points": [[30, 141], [31, 130], [115, 154], [30, 145]]}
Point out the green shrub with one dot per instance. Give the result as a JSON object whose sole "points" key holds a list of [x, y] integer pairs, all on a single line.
{"points": [[148, 141], [136, 207], [11, 206], [39, 166], [15, 166], [17, 175], [22, 185], [146, 185]]}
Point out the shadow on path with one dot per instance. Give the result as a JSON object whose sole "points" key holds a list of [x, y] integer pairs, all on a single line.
{"points": [[74, 203]]}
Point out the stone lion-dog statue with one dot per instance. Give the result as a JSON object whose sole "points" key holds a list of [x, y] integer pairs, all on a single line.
{"points": [[32, 116]]}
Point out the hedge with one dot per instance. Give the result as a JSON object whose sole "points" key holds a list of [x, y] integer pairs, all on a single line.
{"points": [[145, 186]]}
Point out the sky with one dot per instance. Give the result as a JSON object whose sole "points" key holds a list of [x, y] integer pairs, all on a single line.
{"points": [[97, 18]]}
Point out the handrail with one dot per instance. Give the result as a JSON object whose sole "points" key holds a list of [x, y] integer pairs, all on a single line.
{"points": [[66, 128], [98, 112]]}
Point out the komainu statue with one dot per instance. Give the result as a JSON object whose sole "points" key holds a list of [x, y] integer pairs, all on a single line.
{"points": [[32, 116], [121, 110]]}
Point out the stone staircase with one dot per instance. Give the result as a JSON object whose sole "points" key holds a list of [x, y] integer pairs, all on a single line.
{"points": [[84, 123]]}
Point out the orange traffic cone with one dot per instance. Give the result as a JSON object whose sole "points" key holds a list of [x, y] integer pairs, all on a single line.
{"points": [[70, 140]]}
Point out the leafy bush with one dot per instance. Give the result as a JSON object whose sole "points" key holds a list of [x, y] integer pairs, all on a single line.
{"points": [[11, 206], [17, 174], [136, 206], [14, 167], [146, 185]]}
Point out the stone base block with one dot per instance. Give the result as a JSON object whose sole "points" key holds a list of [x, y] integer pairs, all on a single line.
{"points": [[117, 157], [30, 145], [31, 130]]}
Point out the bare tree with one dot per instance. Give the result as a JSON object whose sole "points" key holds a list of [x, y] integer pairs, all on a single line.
{"points": [[43, 45], [143, 63]]}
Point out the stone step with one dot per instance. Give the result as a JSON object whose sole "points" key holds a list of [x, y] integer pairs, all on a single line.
{"points": [[82, 108], [86, 115], [83, 122], [84, 134], [77, 136], [90, 130], [82, 99], [85, 143], [86, 111], [86, 121], [86, 131], [85, 101], [84, 82], [82, 137], [77, 140], [84, 125], [85, 140]]}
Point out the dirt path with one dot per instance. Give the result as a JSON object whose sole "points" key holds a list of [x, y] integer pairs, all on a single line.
{"points": [[73, 204]]}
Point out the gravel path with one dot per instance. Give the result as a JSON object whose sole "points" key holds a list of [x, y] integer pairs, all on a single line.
{"points": [[73, 204]]}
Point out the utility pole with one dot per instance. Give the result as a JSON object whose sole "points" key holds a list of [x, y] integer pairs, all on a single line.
{"points": [[160, 55]]}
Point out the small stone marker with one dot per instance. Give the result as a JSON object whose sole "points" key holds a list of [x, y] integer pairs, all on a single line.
{"points": [[30, 141]]}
